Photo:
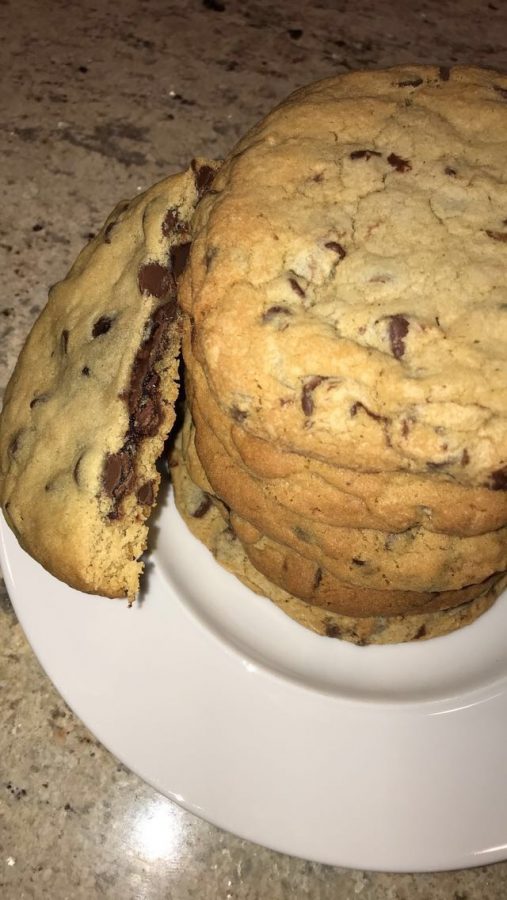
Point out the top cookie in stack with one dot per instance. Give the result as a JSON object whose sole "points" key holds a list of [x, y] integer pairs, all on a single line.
{"points": [[346, 340]]}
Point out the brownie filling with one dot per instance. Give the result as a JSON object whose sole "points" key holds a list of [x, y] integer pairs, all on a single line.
{"points": [[144, 405]]}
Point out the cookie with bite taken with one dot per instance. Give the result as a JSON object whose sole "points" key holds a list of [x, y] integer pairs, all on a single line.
{"points": [[91, 400]]}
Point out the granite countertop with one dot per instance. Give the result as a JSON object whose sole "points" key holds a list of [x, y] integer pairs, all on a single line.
{"points": [[98, 101]]}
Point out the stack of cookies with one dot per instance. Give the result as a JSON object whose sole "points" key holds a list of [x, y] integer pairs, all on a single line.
{"points": [[340, 282], [345, 343]]}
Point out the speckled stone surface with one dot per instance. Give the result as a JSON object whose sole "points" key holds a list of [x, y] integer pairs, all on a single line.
{"points": [[97, 100]]}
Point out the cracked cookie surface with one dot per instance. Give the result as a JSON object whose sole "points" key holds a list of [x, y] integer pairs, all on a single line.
{"points": [[390, 502], [347, 283]]}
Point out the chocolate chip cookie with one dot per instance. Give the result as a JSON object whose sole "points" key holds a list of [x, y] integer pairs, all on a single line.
{"points": [[308, 579], [413, 560], [347, 285], [390, 502], [206, 521], [91, 399]]}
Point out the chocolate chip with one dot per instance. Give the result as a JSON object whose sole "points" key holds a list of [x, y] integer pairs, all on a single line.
{"points": [[420, 633], [239, 415], [497, 236], [145, 494], [332, 630], [450, 171], [118, 474], [85, 371], [317, 578], [296, 287], [179, 257], [444, 73], [498, 480], [147, 417], [214, 5], [398, 329], [203, 507], [410, 82], [40, 398], [155, 279], [275, 311], [364, 154], [401, 165], [358, 562], [354, 409], [203, 177], [295, 33], [143, 378], [64, 341], [336, 248], [171, 223], [465, 457], [500, 90], [143, 402], [306, 394], [102, 326]]}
